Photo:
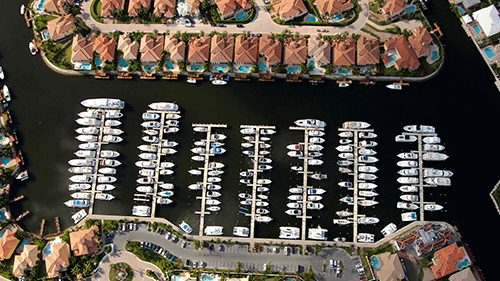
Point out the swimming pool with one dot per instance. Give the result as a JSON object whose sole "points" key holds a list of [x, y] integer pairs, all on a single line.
{"points": [[45, 34], [241, 16], [293, 69], [262, 66], [40, 6], [122, 62], [392, 57], [410, 9], [337, 18], [310, 18], [365, 70], [489, 52], [311, 63], [244, 68], [375, 262], [98, 62], [4, 160], [85, 66], [169, 65], [2, 233], [149, 67], [195, 67], [464, 263], [434, 55], [176, 277], [205, 277], [477, 29], [344, 71], [221, 68], [461, 10], [21, 246], [1, 137], [3, 216], [48, 249]]}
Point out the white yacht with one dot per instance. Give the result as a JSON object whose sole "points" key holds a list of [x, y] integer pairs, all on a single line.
{"points": [[347, 199], [317, 233], [315, 191], [261, 204], [215, 165], [264, 167], [367, 169], [366, 176], [296, 190], [314, 206], [212, 202], [438, 181], [213, 194], [213, 230], [367, 135], [145, 164], [316, 140], [90, 114], [86, 138], [262, 189], [77, 203], [112, 139], [406, 138], [310, 123], [104, 196], [408, 180], [172, 123], [346, 134], [79, 186], [366, 238], [213, 208], [297, 168], [409, 188], [367, 143], [355, 125], [141, 211], [195, 172], [366, 185], [367, 193], [289, 232], [261, 211], [315, 133], [345, 141], [319, 176], [148, 148], [112, 131], [110, 163], [248, 131], [151, 139], [113, 114], [81, 162], [409, 216], [81, 195], [431, 140], [407, 164], [406, 206], [107, 171], [85, 153], [105, 187], [294, 205], [81, 170], [339, 239], [434, 156], [296, 197], [314, 198], [295, 147], [408, 155], [366, 151], [345, 170], [241, 231], [145, 189], [420, 129], [265, 219], [147, 156], [430, 172], [432, 207], [172, 116], [294, 212], [295, 153], [87, 131], [169, 186], [167, 106], [78, 216], [368, 220], [367, 159], [433, 147], [344, 213], [151, 124], [344, 163], [147, 116], [217, 137], [171, 130], [409, 197], [314, 162], [195, 186], [344, 148], [346, 155], [389, 229], [264, 181], [104, 103], [107, 179], [145, 181], [198, 150], [315, 147], [88, 145], [169, 151], [165, 193], [2, 75], [366, 202], [408, 172], [200, 129], [146, 172], [169, 144], [163, 201], [267, 131], [342, 221], [109, 154]]}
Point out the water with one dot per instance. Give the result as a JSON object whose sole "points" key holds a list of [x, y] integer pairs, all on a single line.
{"points": [[262, 66], [196, 67], [489, 52], [337, 18], [375, 262], [241, 16], [244, 68], [410, 9], [45, 105], [477, 29]]}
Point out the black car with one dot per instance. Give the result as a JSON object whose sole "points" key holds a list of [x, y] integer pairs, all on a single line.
{"points": [[213, 25], [220, 25], [239, 25]]}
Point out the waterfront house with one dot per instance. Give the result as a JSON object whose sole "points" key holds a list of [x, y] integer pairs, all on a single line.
{"points": [[449, 259], [464, 275], [129, 47], [222, 50], [488, 19], [104, 48], [84, 241], [82, 49], [331, 8], [25, 261], [58, 260], [344, 52], [135, 5], [246, 50], [294, 53], [319, 50], [368, 51], [387, 267], [427, 238], [56, 6], [420, 41], [290, 9], [8, 244], [61, 27], [108, 7], [150, 49], [465, 6], [271, 50], [392, 9], [176, 49], [399, 53], [164, 8], [229, 8], [198, 51]]}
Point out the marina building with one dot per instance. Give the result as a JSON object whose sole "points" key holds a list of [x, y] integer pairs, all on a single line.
{"points": [[8, 244], [108, 7], [135, 5], [425, 239], [448, 260], [56, 5], [61, 27], [400, 54], [420, 41], [344, 52], [25, 261], [331, 8], [387, 267], [82, 49], [58, 260], [488, 19], [84, 242], [290, 9], [164, 8], [368, 51], [151, 48], [198, 50]]}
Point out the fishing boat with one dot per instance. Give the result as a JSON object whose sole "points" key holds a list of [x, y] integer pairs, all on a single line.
{"points": [[430, 172], [344, 148], [105, 187], [355, 125], [409, 188], [431, 140], [145, 164], [145, 189], [367, 193], [110, 163], [408, 180], [315, 191], [366, 176], [200, 129], [109, 154], [420, 129], [367, 169], [104, 196], [240, 230], [315, 133], [81, 170], [314, 206], [165, 193], [147, 116], [81, 162], [368, 220], [167, 106], [78, 216], [406, 206], [319, 176], [408, 155], [87, 131], [169, 186], [112, 139], [91, 146], [289, 232], [389, 229], [346, 134], [264, 219], [438, 181], [293, 212], [163, 201], [409, 216], [32, 48], [79, 186], [141, 211], [81, 195], [77, 203], [104, 103], [367, 159], [366, 238], [405, 138], [407, 164], [366, 185], [107, 171], [409, 197], [213, 208], [432, 207], [434, 156], [394, 86], [151, 124], [344, 213], [310, 123]]}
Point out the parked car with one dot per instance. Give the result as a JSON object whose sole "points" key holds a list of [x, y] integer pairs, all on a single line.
{"points": [[183, 245], [287, 251], [220, 25], [239, 25], [338, 272], [221, 248], [195, 264], [168, 235]]}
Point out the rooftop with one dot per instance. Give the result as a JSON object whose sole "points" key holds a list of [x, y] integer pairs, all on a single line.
{"points": [[108, 6], [61, 27], [332, 7], [344, 52], [57, 260], [82, 48], [295, 51], [222, 49], [27, 259], [270, 48], [175, 47], [408, 58], [447, 259], [84, 242], [129, 47], [290, 8], [246, 49], [420, 41], [368, 51], [151, 47], [199, 49], [8, 244], [390, 268]]}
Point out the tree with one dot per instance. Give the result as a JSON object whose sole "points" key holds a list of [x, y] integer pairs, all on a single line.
{"points": [[278, 68]]}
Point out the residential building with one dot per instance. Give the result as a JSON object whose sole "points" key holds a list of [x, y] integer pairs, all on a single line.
{"points": [[389, 267], [420, 41], [402, 55], [151, 48], [319, 50], [246, 50], [271, 49], [8, 244], [368, 51], [222, 49], [198, 49], [344, 52], [84, 241], [105, 47], [290, 9], [448, 260], [58, 260], [392, 9], [164, 8], [295, 51], [488, 19], [189, 8], [25, 261], [465, 6], [108, 7], [464, 275], [61, 27], [135, 5], [82, 48], [176, 49], [229, 8], [129, 47], [331, 8], [429, 237], [56, 5]]}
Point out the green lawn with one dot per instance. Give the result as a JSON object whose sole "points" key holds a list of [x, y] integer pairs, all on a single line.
{"points": [[41, 21]]}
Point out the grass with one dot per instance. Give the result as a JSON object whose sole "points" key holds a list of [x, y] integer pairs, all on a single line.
{"points": [[41, 21], [95, 10], [124, 266]]}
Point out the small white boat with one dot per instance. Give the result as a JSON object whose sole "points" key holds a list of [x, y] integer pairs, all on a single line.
{"points": [[109, 154], [146, 172], [367, 159], [433, 147], [366, 185], [267, 131], [295, 153], [347, 199], [141, 211], [406, 138], [366, 202], [246, 145], [408, 180], [240, 230], [432, 207], [169, 143], [91, 146], [172, 116], [81, 179], [420, 129], [198, 158], [148, 148], [261, 204], [214, 179], [367, 193], [164, 201], [79, 186], [85, 153], [200, 143], [408, 155], [367, 143], [346, 134], [112, 123], [200, 129], [345, 141], [106, 179], [314, 206], [168, 151], [168, 186], [147, 156], [2, 75], [346, 155], [87, 131], [406, 206], [248, 131], [105, 187], [195, 186], [315, 133], [367, 169], [215, 173], [262, 189], [81, 170], [409, 197], [218, 82], [310, 123], [77, 203], [264, 219], [294, 212], [113, 114], [319, 176], [409, 188], [151, 124], [172, 123], [215, 165], [395, 86], [81, 162], [409, 216], [246, 181], [295, 190], [110, 163], [86, 138], [104, 103], [191, 80], [32, 48], [345, 170], [314, 162], [151, 132], [389, 229], [367, 135], [346, 184], [339, 239], [198, 150], [145, 164], [315, 191], [264, 181], [81, 195], [368, 220], [147, 116], [167, 106], [344, 213], [23, 9], [295, 147], [294, 205], [315, 147], [104, 196], [408, 172], [407, 164], [195, 172], [78, 216], [145, 189], [151, 139], [344, 163], [434, 156], [431, 140], [107, 171], [365, 151], [297, 168], [213, 194], [165, 193], [112, 139], [316, 140], [264, 167], [366, 238], [438, 181], [218, 150], [218, 137], [344, 148], [145, 181], [213, 208], [295, 197], [355, 125], [430, 173]]}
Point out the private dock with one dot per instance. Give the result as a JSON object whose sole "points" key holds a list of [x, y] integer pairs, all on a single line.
{"points": [[42, 227], [21, 216], [58, 225], [16, 199], [205, 169], [257, 155]]}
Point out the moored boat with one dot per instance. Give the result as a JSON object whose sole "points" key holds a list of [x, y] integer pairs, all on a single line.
{"points": [[167, 106], [409, 216], [355, 125], [241, 231], [310, 123], [420, 129], [409, 197], [389, 229], [213, 230], [104, 103], [408, 155], [441, 181], [406, 206], [141, 211], [432, 207], [409, 188], [406, 138], [79, 186], [77, 203]]}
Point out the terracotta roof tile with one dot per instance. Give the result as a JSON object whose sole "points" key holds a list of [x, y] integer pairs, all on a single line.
{"points": [[151, 48], [368, 50], [61, 27], [84, 242], [164, 8], [56, 5], [272, 49], [392, 7], [446, 259], [108, 6], [295, 51], [420, 41], [332, 7], [57, 260], [129, 47], [344, 52], [222, 49], [320, 49], [105, 47], [175, 47], [407, 59], [27, 259], [134, 5], [8, 243], [82, 48], [290, 8], [199, 49], [246, 49]]}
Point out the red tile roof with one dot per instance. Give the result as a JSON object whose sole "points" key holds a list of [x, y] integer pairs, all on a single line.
{"points": [[151, 47], [420, 41], [392, 7], [222, 49], [272, 49], [446, 260], [176, 48], [8, 243], [198, 49], [57, 260], [134, 5], [246, 49], [407, 59], [61, 27], [332, 7], [295, 51], [368, 50], [82, 48], [344, 52], [56, 5], [84, 242], [290, 8], [108, 6], [164, 8], [320, 49], [105, 47]]}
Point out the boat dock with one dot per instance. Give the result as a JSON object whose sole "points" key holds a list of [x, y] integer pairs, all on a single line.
{"points": [[205, 169], [355, 181], [42, 227], [21, 216], [254, 185], [305, 176]]}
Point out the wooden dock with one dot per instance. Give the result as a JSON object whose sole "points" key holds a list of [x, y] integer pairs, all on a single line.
{"points": [[42, 227], [16, 199], [21, 216], [205, 169], [58, 225]]}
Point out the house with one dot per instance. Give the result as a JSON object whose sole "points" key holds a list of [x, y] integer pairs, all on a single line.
{"points": [[25, 261], [402, 55], [488, 19], [56, 5], [8, 244], [387, 267], [295, 51], [61, 27], [368, 51], [229, 8], [105, 47], [222, 49], [392, 9], [290, 9], [420, 41], [198, 49], [58, 260], [271, 49], [151, 48], [164, 8], [464, 275], [449, 259], [319, 50], [466, 5], [82, 48], [344, 52], [129, 47], [110, 6], [189, 8], [246, 50], [176, 49], [135, 5], [425, 239], [331, 8], [84, 242]]}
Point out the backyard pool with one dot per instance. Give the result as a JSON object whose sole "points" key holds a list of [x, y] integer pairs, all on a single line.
{"points": [[39, 8], [477, 29], [220, 68], [410, 9], [205, 277], [262, 66], [461, 10], [85, 66], [392, 57], [169, 65], [122, 62], [337, 18], [98, 62], [244, 68], [375, 262], [311, 63], [21, 246], [293, 69], [489, 52], [434, 55], [344, 71], [4, 160], [149, 67], [48, 249], [45, 34], [195, 67], [241, 16], [310, 18]]}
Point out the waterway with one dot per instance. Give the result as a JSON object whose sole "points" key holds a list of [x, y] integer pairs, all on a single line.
{"points": [[461, 102]]}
